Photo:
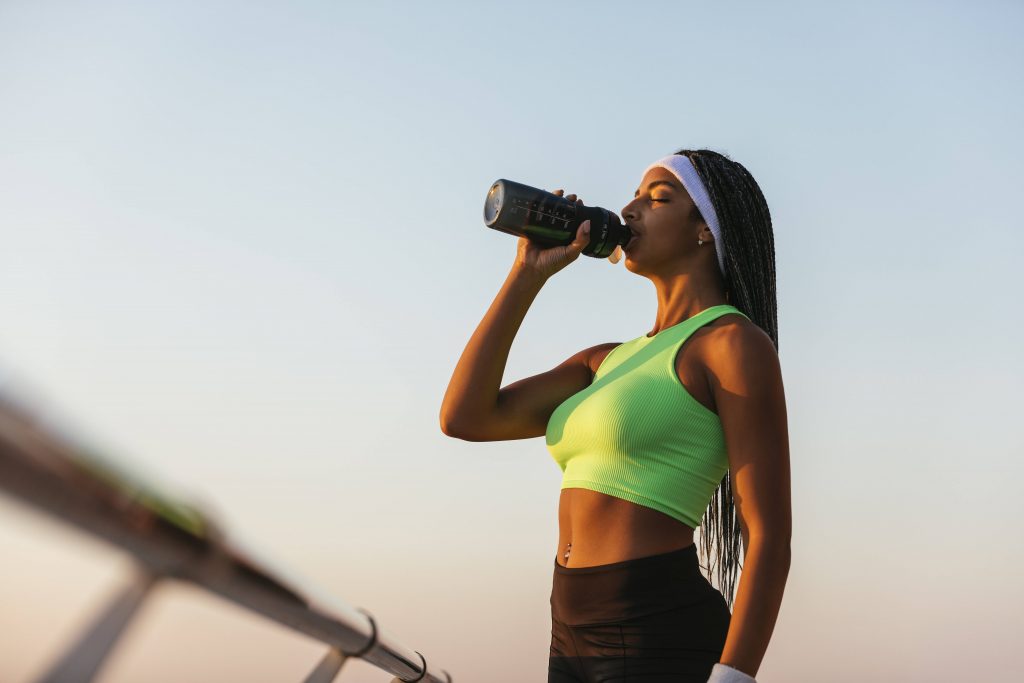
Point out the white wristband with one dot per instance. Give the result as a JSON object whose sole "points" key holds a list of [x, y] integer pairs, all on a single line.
{"points": [[723, 673]]}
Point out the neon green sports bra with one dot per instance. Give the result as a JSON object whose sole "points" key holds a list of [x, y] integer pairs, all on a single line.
{"points": [[636, 433]]}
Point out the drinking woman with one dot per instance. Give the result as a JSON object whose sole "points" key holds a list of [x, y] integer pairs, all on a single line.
{"points": [[681, 427]]}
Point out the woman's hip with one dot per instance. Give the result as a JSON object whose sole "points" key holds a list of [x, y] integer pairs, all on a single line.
{"points": [[654, 617]]}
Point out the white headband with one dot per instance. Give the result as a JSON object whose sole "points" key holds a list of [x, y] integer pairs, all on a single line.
{"points": [[682, 168]]}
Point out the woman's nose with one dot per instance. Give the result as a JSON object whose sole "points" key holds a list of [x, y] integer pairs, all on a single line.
{"points": [[627, 212]]}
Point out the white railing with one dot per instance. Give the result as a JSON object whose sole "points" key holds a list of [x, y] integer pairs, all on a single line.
{"points": [[46, 466]]}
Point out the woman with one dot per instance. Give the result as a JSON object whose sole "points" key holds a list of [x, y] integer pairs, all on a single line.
{"points": [[649, 431]]}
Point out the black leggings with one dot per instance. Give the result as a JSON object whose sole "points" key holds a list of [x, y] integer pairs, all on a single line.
{"points": [[655, 619]]}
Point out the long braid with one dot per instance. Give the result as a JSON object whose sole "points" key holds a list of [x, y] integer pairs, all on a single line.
{"points": [[750, 286]]}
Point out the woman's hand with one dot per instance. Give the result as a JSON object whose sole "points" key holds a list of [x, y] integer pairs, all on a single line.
{"points": [[545, 262]]}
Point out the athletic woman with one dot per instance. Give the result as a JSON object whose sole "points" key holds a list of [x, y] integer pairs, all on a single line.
{"points": [[681, 427]]}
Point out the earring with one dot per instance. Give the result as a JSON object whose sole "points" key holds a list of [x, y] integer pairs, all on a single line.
{"points": [[699, 241]]}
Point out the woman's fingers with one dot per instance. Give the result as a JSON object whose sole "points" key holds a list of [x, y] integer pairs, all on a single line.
{"points": [[570, 197]]}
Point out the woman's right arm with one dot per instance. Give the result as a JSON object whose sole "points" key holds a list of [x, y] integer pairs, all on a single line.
{"points": [[475, 408]]}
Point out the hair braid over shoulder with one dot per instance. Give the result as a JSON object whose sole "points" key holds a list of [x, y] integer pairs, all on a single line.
{"points": [[750, 286]]}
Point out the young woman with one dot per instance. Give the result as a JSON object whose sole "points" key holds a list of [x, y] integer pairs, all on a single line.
{"points": [[650, 431]]}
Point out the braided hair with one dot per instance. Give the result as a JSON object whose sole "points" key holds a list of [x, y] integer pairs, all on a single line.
{"points": [[749, 286]]}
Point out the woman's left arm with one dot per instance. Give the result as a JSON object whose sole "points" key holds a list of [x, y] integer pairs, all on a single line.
{"points": [[746, 378]]}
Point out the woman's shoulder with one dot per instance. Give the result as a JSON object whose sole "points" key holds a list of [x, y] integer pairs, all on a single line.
{"points": [[734, 322], [733, 341], [735, 328]]}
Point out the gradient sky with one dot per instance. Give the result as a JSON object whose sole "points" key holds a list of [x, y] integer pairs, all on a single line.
{"points": [[243, 250]]}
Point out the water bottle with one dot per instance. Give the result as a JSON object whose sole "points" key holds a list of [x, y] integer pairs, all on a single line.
{"points": [[550, 220]]}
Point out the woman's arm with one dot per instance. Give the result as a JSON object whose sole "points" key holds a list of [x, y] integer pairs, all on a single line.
{"points": [[747, 381], [470, 406], [472, 395]]}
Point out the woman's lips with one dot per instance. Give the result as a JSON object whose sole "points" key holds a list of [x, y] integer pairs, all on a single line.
{"points": [[630, 243]]}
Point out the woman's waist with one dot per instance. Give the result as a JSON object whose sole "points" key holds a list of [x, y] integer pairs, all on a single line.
{"points": [[595, 528], [601, 555], [630, 589]]}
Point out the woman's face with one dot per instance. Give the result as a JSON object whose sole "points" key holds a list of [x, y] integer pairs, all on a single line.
{"points": [[666, 223]]}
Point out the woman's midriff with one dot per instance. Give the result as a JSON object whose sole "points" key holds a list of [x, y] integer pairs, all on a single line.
{"points": [[595, 528]]}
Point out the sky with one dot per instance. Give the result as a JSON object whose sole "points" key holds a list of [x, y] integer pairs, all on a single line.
{"points": [[243, 250]]}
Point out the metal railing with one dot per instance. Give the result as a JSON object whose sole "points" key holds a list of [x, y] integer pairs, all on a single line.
{"points": [[46, 466]]}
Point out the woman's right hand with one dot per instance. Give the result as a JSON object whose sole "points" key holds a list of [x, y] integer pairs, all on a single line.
{"points": [[544, 262]]}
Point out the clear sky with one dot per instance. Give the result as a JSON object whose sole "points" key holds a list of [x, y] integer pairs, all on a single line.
{"points": [[243, 250]]}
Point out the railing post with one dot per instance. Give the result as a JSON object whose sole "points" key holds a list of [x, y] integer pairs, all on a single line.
{"points": [[328, 668], [83, 659]]}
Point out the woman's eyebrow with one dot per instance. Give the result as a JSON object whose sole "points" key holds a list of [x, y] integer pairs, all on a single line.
{"points": [[654, 185]]}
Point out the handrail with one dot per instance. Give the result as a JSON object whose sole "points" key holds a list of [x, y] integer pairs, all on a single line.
{"points": [[46, 466]]}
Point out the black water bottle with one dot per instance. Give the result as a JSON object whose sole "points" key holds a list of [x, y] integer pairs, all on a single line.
{"points": [[550, 220]]}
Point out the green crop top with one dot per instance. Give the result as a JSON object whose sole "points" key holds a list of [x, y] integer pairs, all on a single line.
{"points": [[636, 433]]}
